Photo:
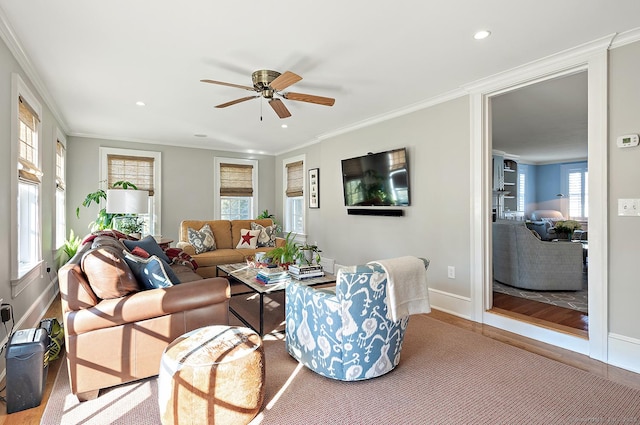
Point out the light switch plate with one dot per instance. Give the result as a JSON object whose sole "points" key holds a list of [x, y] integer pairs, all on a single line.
{"points": [[629, 207]]}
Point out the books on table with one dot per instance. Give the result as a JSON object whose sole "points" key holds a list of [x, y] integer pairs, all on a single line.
{"points": [[306, 272], [271, 275]]}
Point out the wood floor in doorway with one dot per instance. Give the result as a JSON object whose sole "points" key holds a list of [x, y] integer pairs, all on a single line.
{"points": [[541, 314]]}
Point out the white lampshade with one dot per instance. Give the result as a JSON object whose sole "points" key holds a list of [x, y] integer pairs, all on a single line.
{"points": [[127, 201]]}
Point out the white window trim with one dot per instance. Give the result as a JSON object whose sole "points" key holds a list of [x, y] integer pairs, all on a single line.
{"points": [[565, 171], [216, 183], [60, 137], [157, 178], [20, 279], [300, 237]]}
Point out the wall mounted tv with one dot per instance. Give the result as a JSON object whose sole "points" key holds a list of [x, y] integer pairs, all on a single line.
{"points": [[377, 179]]}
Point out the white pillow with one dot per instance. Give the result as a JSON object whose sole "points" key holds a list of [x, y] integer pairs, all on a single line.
{"points": [[248, 238]]}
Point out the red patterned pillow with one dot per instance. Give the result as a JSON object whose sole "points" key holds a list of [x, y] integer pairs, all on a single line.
{"points": [[178, 256], [140, 252]]}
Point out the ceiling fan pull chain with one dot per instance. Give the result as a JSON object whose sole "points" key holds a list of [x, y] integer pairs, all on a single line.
{"points": [[260, 109]]}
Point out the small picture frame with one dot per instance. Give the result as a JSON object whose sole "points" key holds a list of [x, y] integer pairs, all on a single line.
{"points": [[314, 188]]}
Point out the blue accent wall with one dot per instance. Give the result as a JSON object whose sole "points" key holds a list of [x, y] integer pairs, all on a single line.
{"points": [[548, 184]]}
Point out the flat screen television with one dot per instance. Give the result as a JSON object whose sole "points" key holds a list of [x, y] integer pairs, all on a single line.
{"points": [[377, 179]]}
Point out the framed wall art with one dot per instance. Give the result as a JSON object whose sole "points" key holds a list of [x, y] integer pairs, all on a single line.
{"points": [[314, 188]]}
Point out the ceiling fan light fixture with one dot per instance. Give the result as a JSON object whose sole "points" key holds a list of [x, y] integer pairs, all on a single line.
{"points": [[482, 34]]}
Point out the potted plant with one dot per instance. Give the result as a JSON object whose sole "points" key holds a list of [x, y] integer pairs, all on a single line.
{"points": [[68, 249], [566, 227], [104, 219], [285, 254], [308, 253], [265, 214]]}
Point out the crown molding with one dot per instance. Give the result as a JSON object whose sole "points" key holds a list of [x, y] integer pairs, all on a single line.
{"points": [[625, 38], [10, 38]]}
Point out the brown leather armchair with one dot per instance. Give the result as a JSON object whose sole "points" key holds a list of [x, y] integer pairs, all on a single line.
{"points": [[113, 341]]}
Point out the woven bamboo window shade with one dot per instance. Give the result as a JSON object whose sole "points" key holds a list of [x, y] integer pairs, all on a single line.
{"points": [[134, 169], [236, 180], [28, 143], [294, 179]]}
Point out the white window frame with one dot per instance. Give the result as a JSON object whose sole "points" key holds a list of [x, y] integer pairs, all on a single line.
{"points": [[217, 208], [565, 171], [60, 216], [155, 201], [299, 236], [21, 277]]}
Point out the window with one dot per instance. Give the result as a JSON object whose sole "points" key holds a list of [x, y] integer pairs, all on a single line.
{"points": [[141, 168], [522, 178], [574, 180], [234, 189], [61, 222], [294, 196], [26, 227]]}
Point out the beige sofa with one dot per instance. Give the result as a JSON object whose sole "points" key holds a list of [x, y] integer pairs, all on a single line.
{"points": [[227, 235], [522, 260]]}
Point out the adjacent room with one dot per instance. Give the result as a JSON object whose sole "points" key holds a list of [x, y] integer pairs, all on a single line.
{"points": [[231, 213]]}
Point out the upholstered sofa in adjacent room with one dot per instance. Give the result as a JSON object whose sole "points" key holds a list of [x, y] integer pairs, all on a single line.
{"points": [[115, 328], [225, 246], [543, 221], [522, 260]]}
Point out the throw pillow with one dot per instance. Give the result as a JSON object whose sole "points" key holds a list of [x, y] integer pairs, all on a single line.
{"points": [[267, 236], [178, 256], [248, 239], [149, 244], [151, 272], [202, 240], [137, 251], [108, 274]]}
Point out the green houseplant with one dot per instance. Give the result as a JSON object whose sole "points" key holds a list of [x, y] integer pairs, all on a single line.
{"points": [[308, 253], [265, 214], [287, 253], [68, 249], [566, 227], [104, 220]]}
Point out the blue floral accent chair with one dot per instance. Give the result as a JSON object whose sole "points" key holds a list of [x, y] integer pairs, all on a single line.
{"points": [[344, 335]]}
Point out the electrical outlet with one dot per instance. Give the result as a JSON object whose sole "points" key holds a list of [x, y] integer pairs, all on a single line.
{"points": [[451, 272]]}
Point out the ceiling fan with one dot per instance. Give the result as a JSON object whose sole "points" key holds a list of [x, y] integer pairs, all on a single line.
{"points": [[269, 84]]}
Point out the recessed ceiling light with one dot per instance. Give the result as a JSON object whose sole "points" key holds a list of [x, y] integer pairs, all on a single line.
{"points": [[284, 126], [200, 135], [481, 35], [140, 103]]}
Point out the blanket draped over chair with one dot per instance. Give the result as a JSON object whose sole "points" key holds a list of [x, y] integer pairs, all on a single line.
{"points": [[346, 334]]}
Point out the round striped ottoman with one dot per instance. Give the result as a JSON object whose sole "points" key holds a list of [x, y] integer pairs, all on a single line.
{"points": [[212, 375]]}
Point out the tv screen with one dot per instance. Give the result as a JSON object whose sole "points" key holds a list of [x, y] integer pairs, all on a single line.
{"points": [[377, 179]]}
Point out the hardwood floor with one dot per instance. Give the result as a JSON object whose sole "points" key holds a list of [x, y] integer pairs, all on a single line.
{"points": [[33, 416], [542, 314]]}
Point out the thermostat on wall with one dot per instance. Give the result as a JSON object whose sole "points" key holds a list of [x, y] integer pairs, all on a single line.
{"points": [[628, 140]]}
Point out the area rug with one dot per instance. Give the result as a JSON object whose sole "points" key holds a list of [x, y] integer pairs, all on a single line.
{"points": [[574, 300], [447, 375]]}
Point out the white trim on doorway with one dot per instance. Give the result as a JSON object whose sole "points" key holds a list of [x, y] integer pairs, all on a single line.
{"points": [[591, 57]]}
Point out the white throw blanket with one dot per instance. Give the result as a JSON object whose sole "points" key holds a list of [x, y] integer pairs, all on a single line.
{"points": [[407, 291]]}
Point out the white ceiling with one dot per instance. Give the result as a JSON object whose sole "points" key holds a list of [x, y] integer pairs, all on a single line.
{"points": [[94, 60]]}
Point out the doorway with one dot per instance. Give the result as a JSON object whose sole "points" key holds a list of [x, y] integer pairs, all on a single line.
{"points": [[592, 58], [540, 158]]}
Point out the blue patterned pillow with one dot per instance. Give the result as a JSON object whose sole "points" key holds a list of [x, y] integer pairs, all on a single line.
{"points": [[152, 272], [202, 240], [149, 244]]}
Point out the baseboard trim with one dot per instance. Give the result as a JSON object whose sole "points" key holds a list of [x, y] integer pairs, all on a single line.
{"points": [[624, 352], [453, 304]]}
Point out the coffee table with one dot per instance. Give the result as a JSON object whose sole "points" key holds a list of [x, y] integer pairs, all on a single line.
{"points": [[240, 272]]}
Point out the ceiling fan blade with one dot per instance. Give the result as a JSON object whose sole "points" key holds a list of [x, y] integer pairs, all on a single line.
{"points": [[279, 107], [222, 83], [233, 102], [285, 80], [319, 100]]}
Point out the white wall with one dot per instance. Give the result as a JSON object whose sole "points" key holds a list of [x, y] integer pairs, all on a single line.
{"points": [[187, 181], [435, 226], [30, 304], [624, 182]]}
